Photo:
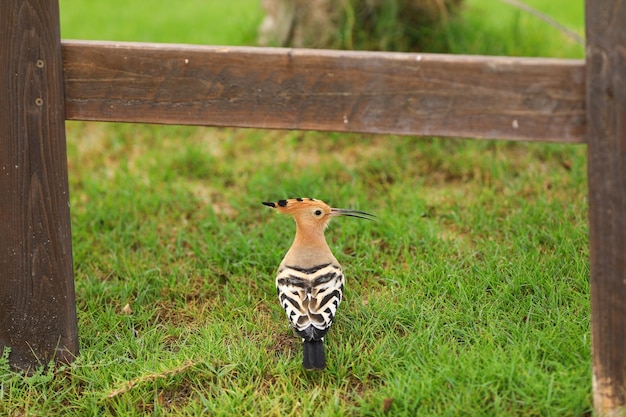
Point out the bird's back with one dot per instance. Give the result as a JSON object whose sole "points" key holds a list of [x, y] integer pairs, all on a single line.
{"points": [[310, 296]]}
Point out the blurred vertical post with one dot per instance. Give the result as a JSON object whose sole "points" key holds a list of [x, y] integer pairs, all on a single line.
{"points": [[606, 137], [37, 302]]}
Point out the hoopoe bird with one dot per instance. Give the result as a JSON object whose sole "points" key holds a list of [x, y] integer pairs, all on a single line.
{"points": [[310, 281]]}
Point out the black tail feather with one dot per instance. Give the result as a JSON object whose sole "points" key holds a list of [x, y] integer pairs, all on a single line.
{"points": [[313, 357]]}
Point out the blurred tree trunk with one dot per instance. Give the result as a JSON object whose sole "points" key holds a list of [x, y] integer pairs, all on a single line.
{"points": [[353, 24], [300, 23]]}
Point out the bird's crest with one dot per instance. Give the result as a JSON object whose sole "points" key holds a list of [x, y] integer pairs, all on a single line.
{"points": [[293, 204]]}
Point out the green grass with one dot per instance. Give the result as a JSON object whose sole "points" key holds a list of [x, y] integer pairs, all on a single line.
{"points": [[469, 296], [218, 22], [493, 27]]}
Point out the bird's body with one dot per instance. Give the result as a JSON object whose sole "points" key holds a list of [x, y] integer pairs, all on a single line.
{"points": [[310, 280], [310, 297]]}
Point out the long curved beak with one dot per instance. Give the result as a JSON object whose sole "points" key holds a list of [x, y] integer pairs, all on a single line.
{"points": [[336, 212]]}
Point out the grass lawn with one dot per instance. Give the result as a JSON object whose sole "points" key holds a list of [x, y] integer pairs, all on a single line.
{"points": [[469, 296]]}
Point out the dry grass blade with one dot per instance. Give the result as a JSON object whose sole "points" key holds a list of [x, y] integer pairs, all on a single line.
{"points": [[128, 385]]}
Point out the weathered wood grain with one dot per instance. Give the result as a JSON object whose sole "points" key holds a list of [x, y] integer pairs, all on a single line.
{"points": [[37, 307], [606, 116], [374, 92]]}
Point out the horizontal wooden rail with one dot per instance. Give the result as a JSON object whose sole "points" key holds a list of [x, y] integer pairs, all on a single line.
{"points": [[533, 99]]}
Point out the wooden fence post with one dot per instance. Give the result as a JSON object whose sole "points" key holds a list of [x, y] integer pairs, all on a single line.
{"points": [[606, 124], [37, 302]]}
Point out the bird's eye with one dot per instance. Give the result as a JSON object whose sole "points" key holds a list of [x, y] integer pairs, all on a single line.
{"points": [[318, 212]]}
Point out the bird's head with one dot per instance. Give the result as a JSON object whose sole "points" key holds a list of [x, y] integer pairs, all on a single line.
{"points": [[313, 214]]}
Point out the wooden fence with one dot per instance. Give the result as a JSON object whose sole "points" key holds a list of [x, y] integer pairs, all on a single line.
{"points": [[44, 81]]}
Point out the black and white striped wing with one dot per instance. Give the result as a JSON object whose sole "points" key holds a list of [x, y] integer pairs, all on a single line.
{"points": [[310, 297]]}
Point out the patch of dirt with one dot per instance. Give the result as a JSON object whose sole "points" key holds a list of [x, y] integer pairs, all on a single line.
{"points": [[284, 343]]}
